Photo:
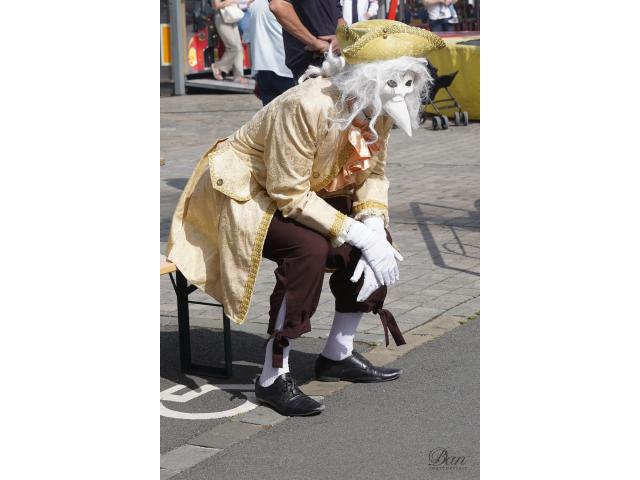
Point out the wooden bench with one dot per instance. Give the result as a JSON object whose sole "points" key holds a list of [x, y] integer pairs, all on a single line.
{"points": [[183, 290]]}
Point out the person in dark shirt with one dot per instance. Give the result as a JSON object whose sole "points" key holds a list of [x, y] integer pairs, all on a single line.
{"points": [[309, 28]]}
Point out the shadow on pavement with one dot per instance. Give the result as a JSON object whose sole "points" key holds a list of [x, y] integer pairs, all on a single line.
{"points": [[247, 354], [461, 219], [177, 183]]}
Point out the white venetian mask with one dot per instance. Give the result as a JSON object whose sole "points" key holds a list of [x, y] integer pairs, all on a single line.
{"points": [[393, 96]]}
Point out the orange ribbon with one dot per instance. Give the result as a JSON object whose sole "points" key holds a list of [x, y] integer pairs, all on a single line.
{"points": [[357, 162]]}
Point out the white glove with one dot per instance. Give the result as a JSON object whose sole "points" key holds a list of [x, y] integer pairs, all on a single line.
{"points": [[369, 284], [376, 224], [377, 251]]}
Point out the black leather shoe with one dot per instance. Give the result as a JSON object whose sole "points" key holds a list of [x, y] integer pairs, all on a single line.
{"points": [[286, 398], [355, 368]]}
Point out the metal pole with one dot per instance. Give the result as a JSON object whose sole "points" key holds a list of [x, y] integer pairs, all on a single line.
{"points": [[382, 9], [177, 23], [401, 11]]}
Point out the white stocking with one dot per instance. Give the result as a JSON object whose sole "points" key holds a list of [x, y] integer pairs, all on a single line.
{"points": [[269, 373], [340, 341]]}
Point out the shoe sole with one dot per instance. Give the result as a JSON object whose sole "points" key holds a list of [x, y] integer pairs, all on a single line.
{"points": [[357, 380], [307, 414]]}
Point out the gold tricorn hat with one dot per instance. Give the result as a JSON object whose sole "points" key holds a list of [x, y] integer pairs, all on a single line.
{"points": [[375, 40]]}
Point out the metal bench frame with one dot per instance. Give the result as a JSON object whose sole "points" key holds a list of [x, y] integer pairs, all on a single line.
{"points": [[183, 290]]}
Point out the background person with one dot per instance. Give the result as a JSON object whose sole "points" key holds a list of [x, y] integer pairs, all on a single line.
{"points": [[243, 23], [365, 10], [439, 14], [309, 28], [233, 57], [264, 35]]}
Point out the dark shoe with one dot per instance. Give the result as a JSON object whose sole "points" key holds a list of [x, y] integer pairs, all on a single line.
{"points": [[286, 398], [355, 368]]}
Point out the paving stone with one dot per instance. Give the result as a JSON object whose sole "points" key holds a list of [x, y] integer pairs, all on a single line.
{"points": [[252, 327], [444, 305], [261, 416], [185, 456], [167, 474], [447, 322], [401, 305], [435, 292], [413, 341], [321, 331], [467, 308], [382, 355], [421, 315], [324, 389], [419, 299], [371, 338], [376, 329], [225, 434], [455, 282], [473, 292], [428, 330], [438, 326]]}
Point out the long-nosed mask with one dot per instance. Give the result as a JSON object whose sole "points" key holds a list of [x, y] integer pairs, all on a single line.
{"points": [[393, 99]]}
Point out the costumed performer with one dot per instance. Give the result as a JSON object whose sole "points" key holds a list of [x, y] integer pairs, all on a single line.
{"points": [[303, 184]]}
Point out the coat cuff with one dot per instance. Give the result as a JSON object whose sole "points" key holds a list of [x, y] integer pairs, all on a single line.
{"points": [[371, 208], [339, 229]]}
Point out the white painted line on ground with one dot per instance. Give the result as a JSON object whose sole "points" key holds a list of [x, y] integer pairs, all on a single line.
{"points": [[170, 395]]}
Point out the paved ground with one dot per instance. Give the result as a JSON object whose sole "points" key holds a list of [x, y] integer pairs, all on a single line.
{"points": [[390, 430], [207, 346], [435, 212]]}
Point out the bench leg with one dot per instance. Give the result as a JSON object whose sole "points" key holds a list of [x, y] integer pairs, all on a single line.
{"points": [[186, 365], [227, 344], [182, 296]]}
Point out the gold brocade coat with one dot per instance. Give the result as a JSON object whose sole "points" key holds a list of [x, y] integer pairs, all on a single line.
{"points": [[282, 159]]}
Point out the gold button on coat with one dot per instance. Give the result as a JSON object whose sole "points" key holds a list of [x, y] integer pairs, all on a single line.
{"points": [[316, 174]]}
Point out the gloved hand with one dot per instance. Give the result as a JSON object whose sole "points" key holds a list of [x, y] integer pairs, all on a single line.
{"points": [[376, 224], [369, 284], [377, 252]]}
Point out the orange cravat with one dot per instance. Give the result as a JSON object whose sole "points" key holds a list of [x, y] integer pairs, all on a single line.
{"points": [[357, 162]]}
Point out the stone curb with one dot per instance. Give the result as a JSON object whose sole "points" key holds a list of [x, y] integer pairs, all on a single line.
{"points": [[260, 419]]}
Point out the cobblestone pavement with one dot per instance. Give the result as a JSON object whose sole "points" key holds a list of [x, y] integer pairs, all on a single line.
{"points": [[434, 211]]}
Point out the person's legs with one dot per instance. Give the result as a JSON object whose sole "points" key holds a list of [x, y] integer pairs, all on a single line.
{"points": [[338, 360], [243, 23], [301, 255], [339, 344], [447, 27], [238, 60], [271, 85], [233, 55], [436, 25], [345, 259], [269, 372]]}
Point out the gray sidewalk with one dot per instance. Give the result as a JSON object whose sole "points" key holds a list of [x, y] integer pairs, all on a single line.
{"points": [[396, 430]]}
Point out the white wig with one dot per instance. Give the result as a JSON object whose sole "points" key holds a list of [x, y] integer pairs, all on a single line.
{"points": [[360, 86]]}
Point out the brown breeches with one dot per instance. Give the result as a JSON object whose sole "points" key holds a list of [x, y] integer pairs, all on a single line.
{"points": [[303, 256]]}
